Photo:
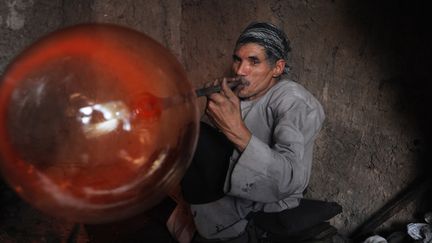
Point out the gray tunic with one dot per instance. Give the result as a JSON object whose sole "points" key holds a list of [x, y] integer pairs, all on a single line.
{"points": [[273, 171]]}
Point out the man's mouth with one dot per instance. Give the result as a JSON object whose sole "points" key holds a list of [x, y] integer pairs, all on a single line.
{"points": [[244, 83]]}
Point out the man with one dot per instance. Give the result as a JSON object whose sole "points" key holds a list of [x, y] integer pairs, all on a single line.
{"points": [[272, 123]]}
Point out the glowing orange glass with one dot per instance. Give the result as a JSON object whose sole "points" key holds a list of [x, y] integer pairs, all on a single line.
{"points": [[97, 123]]}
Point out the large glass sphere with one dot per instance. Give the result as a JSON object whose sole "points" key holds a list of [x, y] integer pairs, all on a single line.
{"points": [[97, 123]]}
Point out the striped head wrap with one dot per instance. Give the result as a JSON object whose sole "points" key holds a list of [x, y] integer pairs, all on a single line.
{"points": [[273, 39]]}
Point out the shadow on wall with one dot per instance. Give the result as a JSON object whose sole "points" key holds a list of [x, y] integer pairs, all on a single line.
{"points": [[402, 29]]}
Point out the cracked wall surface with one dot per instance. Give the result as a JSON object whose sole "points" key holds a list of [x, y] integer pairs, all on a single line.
{"points": [[364, 61]]}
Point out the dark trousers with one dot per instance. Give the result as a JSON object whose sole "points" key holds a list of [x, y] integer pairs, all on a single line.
{"points": [[205, 177]]}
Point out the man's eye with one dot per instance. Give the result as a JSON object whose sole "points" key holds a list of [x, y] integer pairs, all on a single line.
{"points": [[255, 62], [235, 58]]}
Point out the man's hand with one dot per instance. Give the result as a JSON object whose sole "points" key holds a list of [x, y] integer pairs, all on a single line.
{"points": [[224, 110]]}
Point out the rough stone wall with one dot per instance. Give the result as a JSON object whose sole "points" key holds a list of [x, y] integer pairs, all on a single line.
{"points": [[347, 54], [24, 21], [364, 61], [160, 19]]}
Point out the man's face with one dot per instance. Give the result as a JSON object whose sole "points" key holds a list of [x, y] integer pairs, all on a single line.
{"points": [[250, 64]]}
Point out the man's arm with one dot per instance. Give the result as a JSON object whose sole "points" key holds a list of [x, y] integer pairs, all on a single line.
{"points": [[271, 172], [224, 110]]}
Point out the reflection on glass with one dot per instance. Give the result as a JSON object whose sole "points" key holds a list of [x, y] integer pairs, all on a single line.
{"points": [[115, 114], [98, 122]]}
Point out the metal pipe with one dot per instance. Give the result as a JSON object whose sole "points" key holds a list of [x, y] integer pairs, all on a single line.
{"points": [[217, 88]]}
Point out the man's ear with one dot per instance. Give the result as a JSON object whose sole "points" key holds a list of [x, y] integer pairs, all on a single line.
{"points": [[278, 68]]}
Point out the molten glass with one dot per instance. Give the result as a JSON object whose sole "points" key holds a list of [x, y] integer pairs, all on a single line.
{"points": [[97, 123]]}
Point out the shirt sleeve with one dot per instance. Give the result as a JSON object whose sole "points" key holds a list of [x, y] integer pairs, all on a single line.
{"points": [[271, 172]]}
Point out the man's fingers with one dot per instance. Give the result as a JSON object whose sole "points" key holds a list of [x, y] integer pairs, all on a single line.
{"points": [[217, 98], [227, 90]]}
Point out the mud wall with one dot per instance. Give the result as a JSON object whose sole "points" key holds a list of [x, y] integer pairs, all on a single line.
{"points": [[357, 59], [365, 61]]}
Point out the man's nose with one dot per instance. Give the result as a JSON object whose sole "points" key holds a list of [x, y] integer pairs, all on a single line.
{"points": [[242, 69]]}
